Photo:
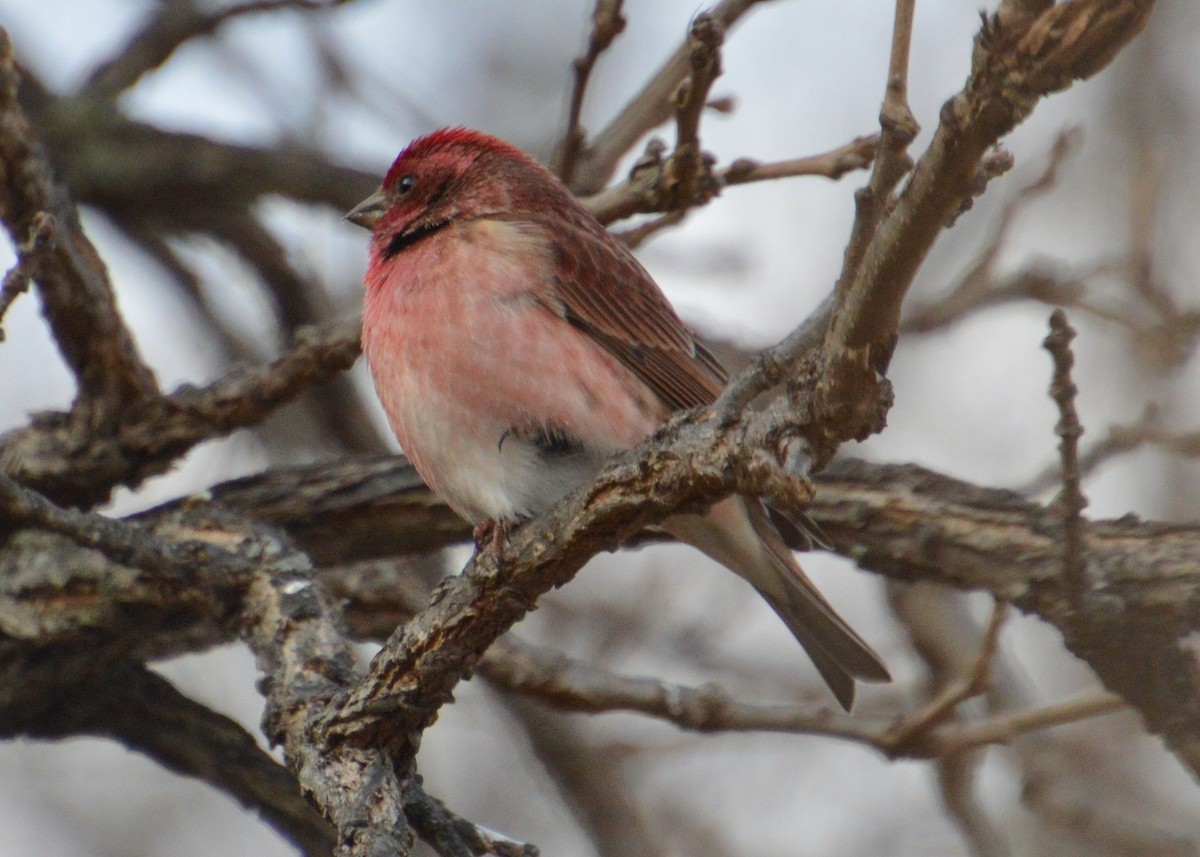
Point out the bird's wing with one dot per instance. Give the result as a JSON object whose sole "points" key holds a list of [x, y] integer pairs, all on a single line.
{"points": [[598, 286]]}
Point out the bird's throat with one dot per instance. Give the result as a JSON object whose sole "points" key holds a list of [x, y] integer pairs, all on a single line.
{"points": [[403, 240]]}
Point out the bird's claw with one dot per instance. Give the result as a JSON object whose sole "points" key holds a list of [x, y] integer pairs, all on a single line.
{"points": [[490, 532]]}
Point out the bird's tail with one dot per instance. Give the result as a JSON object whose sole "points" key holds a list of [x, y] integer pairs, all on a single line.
{"points": [[738, 534]]}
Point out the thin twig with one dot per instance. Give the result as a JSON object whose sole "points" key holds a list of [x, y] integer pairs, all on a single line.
{"points": [[595, 780], [17, 279], [1070, 501], [855, 155], [685, 171], [648, 109], [607, 24], [643, 193], [957, 776], [451, 835], [939, 709], [570, 684], [635, 237], [1147, 430], [980, 286], [1003, 728], [771, 365], [898, 128]]}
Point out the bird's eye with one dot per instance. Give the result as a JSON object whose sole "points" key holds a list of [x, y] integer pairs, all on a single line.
{"points": [[405, 184]]}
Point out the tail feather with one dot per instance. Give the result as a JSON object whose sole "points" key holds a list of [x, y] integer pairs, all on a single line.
{"points": [[806, 608], [840, 681], [738, 534]]}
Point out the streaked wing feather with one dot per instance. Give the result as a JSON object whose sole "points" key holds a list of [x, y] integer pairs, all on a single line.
{"points": [[601, 288], [679, 379]]}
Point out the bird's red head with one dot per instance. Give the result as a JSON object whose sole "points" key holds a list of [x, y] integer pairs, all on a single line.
{"points": [[450, 149], [449, 175]]}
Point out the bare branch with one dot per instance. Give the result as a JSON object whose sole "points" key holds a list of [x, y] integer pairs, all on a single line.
{"points": [[72, 280], [1012, 68], [451, 835], [942, 707], [979, 286], [470, 611], [633, 238], [19, 276], [1003, 728], [573, 685], [1147, 430], [119, 541], [648, 109], [593, 781], [687, 174], [904, 497], [855, 155], [607, 24], [892, 162], [644, 192], [66, 697], [174, 25], [292, 629], [68, 466], [1070, 501]]}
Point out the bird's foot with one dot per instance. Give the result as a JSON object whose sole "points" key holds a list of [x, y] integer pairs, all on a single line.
{"points": [[490, 531]]}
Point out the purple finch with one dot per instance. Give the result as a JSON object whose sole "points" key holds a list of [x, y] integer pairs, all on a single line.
{"points": [[515, 345]]}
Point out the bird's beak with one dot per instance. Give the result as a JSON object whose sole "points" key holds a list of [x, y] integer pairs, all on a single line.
{"points": [[367, 213]]}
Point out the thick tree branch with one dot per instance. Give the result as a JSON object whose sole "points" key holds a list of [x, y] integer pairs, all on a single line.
{"points": [[175, 24], [307, 660], [903, 522], [71, 279], [1012, 67], [82, 468], [75, 693]]}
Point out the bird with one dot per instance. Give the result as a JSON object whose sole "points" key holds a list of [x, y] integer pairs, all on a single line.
{"points": [[516, 345]]}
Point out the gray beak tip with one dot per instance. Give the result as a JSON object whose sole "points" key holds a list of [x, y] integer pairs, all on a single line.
{"points": [[368, 212]]}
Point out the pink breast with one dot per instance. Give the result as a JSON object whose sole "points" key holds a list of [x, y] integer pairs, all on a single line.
{"points": [[461, 351]]}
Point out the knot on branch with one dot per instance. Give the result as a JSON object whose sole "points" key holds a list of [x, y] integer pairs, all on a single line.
{"points": [[852, 400], [780, 472], [687, 179]]}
